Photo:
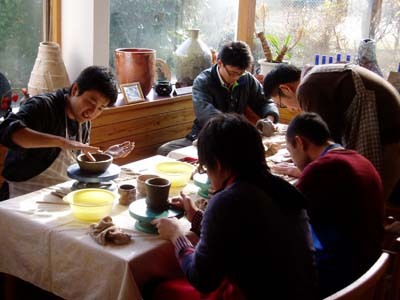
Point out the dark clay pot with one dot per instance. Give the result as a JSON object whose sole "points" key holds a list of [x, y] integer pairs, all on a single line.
{"points": [[163, 88]]}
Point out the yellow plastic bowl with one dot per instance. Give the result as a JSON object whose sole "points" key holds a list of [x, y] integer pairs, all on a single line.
{"points": [[90, 204], [177, 172]]}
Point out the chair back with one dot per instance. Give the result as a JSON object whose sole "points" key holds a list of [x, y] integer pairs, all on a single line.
{"points": [[370, 286], [393, 292]]}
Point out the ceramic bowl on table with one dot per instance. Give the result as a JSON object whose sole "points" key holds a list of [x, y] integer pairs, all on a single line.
{"points": [[90, 204], [103, 161], [177, 172]]}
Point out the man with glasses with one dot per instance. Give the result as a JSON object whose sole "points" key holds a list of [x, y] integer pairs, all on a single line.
{"points": [[361, 109], [227, 87]]}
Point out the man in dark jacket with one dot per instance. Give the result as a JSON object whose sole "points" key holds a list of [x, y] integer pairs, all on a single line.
{"points": [[227, 87]]}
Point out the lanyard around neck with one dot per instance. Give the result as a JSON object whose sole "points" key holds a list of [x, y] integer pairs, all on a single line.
{"points": [[330, 147]]}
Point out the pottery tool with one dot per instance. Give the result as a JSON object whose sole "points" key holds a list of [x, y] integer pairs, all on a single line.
{"points": [[90, 156]]}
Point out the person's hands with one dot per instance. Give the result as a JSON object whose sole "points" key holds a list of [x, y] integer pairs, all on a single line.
{"points": [[186, 204], [121, 150], [260, 78], [168, 228], [75, 145], [286, 169], [266, 127]]}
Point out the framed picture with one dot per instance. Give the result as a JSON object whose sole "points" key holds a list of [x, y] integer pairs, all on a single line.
{"points": [[132, 92]]}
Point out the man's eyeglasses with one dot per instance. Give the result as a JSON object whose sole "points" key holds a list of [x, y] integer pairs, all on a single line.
{"points": [[201, 169], [234, 74], [280, 99]]}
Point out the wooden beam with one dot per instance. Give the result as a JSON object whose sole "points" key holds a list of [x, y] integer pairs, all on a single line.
{"points": [[376, 12], [55, 23], [246, 21]]}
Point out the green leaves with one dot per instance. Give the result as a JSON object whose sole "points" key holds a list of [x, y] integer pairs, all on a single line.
{"points": [[279, 48]]}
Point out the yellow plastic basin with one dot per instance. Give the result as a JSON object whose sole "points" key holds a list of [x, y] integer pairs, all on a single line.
{"points": [[177, 172], [90, 204]]}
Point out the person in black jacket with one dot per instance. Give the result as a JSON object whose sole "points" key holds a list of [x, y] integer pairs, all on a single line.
{"points": [[227, 87], [254, 222], [44, 136]]}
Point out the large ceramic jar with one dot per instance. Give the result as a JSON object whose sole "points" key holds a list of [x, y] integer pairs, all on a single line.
{"points": [[136, 65], [366, 56], [49, 72], [191, 57]]}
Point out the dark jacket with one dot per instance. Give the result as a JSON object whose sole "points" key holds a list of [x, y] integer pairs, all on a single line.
{"points": [[211, 98], [44, 113], [252, 226]]}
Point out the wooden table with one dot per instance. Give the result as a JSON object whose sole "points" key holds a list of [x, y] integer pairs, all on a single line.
{"points": [[45, 245]]}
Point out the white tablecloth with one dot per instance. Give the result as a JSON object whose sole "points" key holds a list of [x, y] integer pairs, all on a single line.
{"points": [[45, 245], [191, 151]]}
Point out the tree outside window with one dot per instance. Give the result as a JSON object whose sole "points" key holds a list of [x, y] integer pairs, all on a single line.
{"points": [[332, 27], [21, 32]]}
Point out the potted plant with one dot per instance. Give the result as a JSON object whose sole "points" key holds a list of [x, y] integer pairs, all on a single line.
{"points": [[275, 50]]}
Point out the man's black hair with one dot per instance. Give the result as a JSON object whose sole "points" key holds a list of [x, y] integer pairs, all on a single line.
{"points": [[100, 79], [236, 54], [310, 126], [280, 74]]}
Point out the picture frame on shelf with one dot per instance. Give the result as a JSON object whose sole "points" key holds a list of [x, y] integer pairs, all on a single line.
{"points": [[132, 92]]}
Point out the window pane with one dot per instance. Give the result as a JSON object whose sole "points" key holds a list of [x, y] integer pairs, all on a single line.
{"points": [[161, 25], [330, 28], [21, 32]]}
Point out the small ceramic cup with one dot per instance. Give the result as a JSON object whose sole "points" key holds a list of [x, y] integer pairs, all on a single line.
{"points": [[140, 182], [127, 194], [157, 190]]}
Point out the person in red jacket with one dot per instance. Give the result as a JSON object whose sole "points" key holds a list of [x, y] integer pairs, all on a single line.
{"points": [[345, 202]]}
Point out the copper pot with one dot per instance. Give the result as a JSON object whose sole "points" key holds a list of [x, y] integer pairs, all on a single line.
{"points": [[136, 65]]}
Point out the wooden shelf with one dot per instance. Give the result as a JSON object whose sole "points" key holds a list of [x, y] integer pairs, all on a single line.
{"points": [[149, 124]]}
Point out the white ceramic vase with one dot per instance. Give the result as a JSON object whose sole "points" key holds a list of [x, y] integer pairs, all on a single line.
{"points": [[266, 67], [191, 57], [49, 72], [366, 56]]}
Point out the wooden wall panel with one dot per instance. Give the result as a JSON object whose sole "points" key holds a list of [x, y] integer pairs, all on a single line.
{"points": [[148, 124]]}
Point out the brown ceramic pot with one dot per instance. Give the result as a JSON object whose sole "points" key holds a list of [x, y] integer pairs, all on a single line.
{"points": [[136, 65], [157, 192], [103, 161]]}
